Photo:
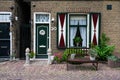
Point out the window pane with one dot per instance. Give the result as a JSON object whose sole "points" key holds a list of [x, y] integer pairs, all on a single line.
{"points": [[72, 35], [4, 17], [83, 32], [75, 19], [42, 17]]}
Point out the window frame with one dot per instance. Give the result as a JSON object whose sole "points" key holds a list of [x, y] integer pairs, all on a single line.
{"points": [[68, 28], [92, 18]]}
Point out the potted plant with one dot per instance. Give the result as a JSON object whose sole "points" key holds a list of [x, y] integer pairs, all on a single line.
{"points": [[92, 53], [72, 56], [12, 56], [103, 49], [113, 61], [78, 41], [32, 54], [57, 57]]}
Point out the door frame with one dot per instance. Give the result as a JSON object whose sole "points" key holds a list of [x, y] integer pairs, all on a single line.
{"points": [[7, 20], [34, 30]]}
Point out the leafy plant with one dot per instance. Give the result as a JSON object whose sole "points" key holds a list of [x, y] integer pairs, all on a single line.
{"points": [[58, 57], [32, 54], [77, 39], [113, 58], [92, 52], [13, 55], [103, 49], [68, 52]]}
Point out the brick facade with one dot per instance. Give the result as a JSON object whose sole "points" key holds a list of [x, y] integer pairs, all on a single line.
{"points": [[5, 5], [110, 19]]}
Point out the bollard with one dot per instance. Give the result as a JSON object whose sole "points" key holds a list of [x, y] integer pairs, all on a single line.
{"points": [[49, 56], [27, 56]]}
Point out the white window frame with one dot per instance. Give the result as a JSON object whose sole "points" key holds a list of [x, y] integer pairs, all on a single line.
{"points": [[88, 26]]}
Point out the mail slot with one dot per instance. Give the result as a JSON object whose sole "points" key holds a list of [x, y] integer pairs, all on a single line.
{"points": [[3, 46], [42, 46], [0, 31]]}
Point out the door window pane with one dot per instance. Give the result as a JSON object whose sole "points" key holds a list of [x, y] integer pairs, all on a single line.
{"points": [[42, 17]]}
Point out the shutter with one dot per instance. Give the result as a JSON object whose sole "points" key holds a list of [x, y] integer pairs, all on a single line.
{"points": [[61, 30], [95, 28]]}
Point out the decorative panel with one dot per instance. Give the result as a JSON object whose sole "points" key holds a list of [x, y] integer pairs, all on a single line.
{"points": [[95, 28], [61, 30]]}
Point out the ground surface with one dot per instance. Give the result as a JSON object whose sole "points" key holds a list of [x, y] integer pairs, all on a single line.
{"points": [[39, 70]]}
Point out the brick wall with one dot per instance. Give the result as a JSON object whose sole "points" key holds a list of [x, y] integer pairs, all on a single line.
{"points": [[110, 19], [5, 5]]}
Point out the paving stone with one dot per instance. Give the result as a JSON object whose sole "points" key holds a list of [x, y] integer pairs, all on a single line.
{"points": [[39, 70]]}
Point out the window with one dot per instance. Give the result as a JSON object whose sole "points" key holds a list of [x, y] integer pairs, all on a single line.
{"points": [[42, 18], [5, 16], [85, 26], [109, 7], [77, 28]]}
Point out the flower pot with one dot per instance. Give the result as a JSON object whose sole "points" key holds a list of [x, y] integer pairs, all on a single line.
{"points": [[92, 58], [72, 56]]}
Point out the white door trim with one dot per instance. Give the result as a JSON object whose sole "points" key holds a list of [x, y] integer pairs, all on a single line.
{"points": [[6, 19], [34, 28]]}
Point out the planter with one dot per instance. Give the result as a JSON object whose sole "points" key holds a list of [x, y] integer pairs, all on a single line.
{"points": [[72, 56], [113, 64], [92, 58]]}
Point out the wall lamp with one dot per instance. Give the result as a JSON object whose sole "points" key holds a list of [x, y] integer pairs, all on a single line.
{"points": [[52, 19]]}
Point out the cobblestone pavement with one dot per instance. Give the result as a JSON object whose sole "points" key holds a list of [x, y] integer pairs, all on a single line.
{"points": [[39, 70]]}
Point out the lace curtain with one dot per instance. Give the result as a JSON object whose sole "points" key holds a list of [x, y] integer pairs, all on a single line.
{"points": [[83, 30], [5, 17]]}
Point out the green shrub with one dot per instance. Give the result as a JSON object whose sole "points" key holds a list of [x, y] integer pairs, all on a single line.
{"points": [[58, 57], [32, 54], [103, 49], [104, 52], [113, 58]]}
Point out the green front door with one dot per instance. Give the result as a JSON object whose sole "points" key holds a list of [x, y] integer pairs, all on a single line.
{"points": [[4, 40], [41, 41]]}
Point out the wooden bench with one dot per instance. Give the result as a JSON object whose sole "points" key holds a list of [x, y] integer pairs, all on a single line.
{"points": [[81, 60]]}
